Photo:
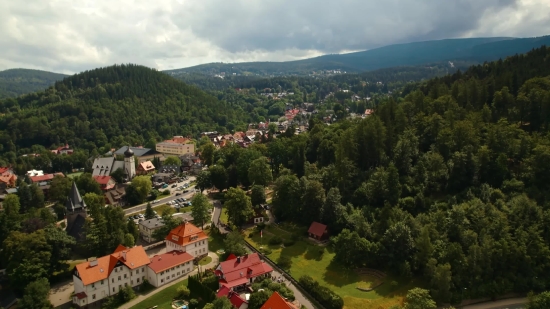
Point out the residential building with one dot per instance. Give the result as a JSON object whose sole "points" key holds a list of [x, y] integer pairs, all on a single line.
{"points": [[75, 210], [237, 301], [188, 238], [8, 179], [106, 166], [148, 227], [106, 183], [168, 267], [63, 150], [178, 146], [241, 271], [115, 197], [276, 301], [318, 231], [145, 168], [44, 179], [106, 276]]}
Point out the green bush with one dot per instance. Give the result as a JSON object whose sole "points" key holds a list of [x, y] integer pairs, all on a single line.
{"points": [[166, 192], [277, 240], [266, 251], [288, 242], [284, 262], [322, 294], [260, 226], [182, 292]]}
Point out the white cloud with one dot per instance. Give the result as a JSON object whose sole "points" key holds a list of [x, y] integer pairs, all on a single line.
{"points": [[71, 36]]}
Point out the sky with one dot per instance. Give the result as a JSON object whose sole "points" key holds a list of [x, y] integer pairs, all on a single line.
{"points": [[71, 36]]}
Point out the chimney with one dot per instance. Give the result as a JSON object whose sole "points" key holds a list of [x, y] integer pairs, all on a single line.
{"points": [[93, 263], [124, 255], [238, 259]]}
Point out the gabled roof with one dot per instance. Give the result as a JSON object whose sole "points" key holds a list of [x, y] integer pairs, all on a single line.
{"points": [[74, 200], [276, 301], [236, 300], [223, 291], [90, 272], [168, 260], [102, 180], [186, 233], [103, 166], [42, 178], [147, 166], [317, 229], [244, 267]]}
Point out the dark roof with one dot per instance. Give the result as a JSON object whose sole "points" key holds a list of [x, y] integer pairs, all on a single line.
{"points": [[77, 229], [317, 229], [138, 152], [74, 200], [129, 152], [152, 223]]}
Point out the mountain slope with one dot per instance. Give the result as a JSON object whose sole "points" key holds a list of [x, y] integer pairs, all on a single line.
{"points": [[475, 50], [15, 82], [126, 104]]}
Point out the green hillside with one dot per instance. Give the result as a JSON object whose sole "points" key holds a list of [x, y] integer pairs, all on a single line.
{"points": [[476, 50], [109, 107], [15, 82]]}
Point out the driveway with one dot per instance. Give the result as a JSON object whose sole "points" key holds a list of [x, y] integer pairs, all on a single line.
{"points": [[297, 294], [60, 294]]}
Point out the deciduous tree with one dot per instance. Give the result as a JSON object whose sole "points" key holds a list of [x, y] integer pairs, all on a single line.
{"points": [[199, 209], [238, 206]]}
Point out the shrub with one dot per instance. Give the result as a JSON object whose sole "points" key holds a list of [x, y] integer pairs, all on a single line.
{"points": [[266, 251], [193, 303], [288, 242], [322, 294], [277, 240], [166, 192], [295, 237], [260, 226], [182, 291], [284, 262]]}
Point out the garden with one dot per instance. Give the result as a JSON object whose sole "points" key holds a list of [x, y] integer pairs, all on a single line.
{"points": [[287, 245]]}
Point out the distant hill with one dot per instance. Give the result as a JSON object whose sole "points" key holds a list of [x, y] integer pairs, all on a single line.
{"points": [[15, 82], [109, 107], [475, 50]]}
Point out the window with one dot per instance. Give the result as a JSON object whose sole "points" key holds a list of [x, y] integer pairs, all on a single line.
{"points": [[116, 270], [93, 285], [125, 283], [118, 278], [113, 290], [131, 281], [178, 273], [130, 272], [113, 280], [93, 296], [124, 276], [173, 275], [138, 280], [162, 273], [101, 282]]}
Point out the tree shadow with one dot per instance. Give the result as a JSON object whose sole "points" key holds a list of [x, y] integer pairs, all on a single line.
{"points": [[315, 252]]}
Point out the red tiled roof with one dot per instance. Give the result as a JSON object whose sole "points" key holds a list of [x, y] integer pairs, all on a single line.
{"points": [[317, 229], [223, 291], [4, 169], [369, 111], [245, 267], [102, 180], [147, 165], [183, 233], [80, 295], [131, 257], [42, 178], [231, 257], [168, 260], [236, 300], [234, 283], [276, 301]]}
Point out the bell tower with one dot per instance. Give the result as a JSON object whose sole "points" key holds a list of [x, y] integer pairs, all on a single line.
{"points": [[129, 163]]}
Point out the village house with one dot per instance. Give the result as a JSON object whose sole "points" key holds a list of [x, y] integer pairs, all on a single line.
{"points": [[148, 227], [98, 279], [106, 183], [318, 231], [63, 150], [276, 301], [8, 179], [115, 196], [236, 300], [145, 168], [188, 238], [168, 267], [241, 271]]}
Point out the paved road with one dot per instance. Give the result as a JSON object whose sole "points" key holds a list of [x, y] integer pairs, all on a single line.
{"points": [[512, 303], [165, 200]]}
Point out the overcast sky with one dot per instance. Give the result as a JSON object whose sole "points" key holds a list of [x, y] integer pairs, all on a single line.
{"points": [[71, 36]]}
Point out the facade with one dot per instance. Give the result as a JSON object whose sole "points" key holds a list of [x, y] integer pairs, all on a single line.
{"points": [[188, 238], [75, 209], [148, 227], [241, 271], [173, 148], [106, 276], [106, 166], [168, 267]]}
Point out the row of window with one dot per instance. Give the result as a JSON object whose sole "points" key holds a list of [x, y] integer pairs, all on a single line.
{"points": [[175, 267], [125, 284], [175, 275]]}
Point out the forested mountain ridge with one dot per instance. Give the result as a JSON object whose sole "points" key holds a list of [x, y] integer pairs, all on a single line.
{"points": [[15, 82], [449, 183], [475, 50], [108, 107]]}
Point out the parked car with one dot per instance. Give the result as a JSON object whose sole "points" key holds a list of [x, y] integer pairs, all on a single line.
{"points": [[178, 194], [136, 216], [185, 191], [173, 186], [141, 216]]}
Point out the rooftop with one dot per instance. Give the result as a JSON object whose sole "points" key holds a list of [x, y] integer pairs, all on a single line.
{"points": [[317, 229], [276, 301], [168, 260], [186, 233], [138, 151], [152, 223]]}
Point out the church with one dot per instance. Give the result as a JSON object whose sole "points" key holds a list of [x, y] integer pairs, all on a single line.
{"points": [[75, 208], [106, 166]]}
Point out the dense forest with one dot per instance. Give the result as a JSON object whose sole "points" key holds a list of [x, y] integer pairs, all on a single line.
{"points": [[476, 50], [16, 82], [448, 183]]}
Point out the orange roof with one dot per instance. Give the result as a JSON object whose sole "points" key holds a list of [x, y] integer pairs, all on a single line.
{"points": [[102, 180], [185, 234], [131, 257], [276, 301], [170, 259], [147, 165]]}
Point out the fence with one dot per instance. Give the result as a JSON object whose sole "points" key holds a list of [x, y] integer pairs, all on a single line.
{"points": [[287, 276]]}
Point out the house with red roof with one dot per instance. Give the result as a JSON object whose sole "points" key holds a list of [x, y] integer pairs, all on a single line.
{"points": [[236, 300], [106, 183], [8, 179], [63, 150], [105, 276], [242, 271], [188, 238], [145, 168], [318, 231], [276, 301], [170, 266]]}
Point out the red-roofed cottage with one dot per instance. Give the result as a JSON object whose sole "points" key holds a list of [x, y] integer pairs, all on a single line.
{"points": [[318, 231], [276, 301], [188, 238], [7, 177], [168, 267], [106, 183], [105, 276], [242, 271]]}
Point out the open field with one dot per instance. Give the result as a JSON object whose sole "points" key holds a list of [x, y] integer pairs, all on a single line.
{"points": [[162, 299], [307, 258]]}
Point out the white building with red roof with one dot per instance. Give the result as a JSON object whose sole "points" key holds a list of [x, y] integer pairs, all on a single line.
{"points": [[236, 300], [107, 275], [242, 270], [170, 266], [188, 238]]}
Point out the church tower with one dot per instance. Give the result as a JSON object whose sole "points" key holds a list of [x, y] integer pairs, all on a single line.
{"points": [[129, 163], [75, 208]]}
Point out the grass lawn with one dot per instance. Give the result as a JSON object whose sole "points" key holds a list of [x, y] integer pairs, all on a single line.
{"points": [[162, 195], [205, 260], [73, 175], [215, 241], [223, 216], [162, 299], [310, 259]]}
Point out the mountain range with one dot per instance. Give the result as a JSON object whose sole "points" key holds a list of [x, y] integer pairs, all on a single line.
{"points": [[15, 82]]}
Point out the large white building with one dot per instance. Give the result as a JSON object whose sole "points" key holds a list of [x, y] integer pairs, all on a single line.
{"points": [[188, 238], [168, 267], [176, 149], [107, 275]]}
